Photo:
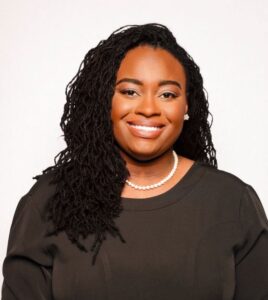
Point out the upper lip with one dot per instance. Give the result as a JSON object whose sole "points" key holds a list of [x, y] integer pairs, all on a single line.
{"points": [[146, 123]]}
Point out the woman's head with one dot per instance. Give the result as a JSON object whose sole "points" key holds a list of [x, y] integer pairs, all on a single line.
{"points": [[94, 86], [150, 90], [90, 173]]}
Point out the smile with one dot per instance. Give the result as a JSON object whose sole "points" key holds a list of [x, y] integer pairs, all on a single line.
{"points": [[147, 132], [146, 128]]}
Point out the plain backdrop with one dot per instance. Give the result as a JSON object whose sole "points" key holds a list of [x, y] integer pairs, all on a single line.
{"points": [[43, 43]]}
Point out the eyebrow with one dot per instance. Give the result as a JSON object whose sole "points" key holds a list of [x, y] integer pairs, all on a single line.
{"points": [[160, 83]]}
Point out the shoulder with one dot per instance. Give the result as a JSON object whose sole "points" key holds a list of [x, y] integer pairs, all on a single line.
{"points": [[39, 193], [222, 181], [222, 174], [223, 192]]}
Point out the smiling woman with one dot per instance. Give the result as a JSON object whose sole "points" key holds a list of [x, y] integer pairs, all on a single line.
{"points": [[138, 185]]}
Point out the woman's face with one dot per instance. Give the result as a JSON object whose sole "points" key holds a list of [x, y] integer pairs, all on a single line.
{"points": [[149, 102]]}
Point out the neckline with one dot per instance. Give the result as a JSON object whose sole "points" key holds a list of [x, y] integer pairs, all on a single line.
{"points": [[190, 178]]}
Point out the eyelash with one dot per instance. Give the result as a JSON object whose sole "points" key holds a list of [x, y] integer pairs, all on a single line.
{"points": [[126, 91]]}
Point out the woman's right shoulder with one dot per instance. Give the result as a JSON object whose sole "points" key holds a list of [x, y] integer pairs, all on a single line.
{"points": [[39, 193]]}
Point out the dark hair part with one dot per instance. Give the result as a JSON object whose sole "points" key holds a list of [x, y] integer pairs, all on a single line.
{"points": [[90, 173]]}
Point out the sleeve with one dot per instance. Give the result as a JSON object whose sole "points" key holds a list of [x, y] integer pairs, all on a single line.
{"points": [[252, 257], [27, 267]]}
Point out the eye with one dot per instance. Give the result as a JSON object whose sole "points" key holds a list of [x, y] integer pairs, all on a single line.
{"points": [[127, 92], [168, 93]]}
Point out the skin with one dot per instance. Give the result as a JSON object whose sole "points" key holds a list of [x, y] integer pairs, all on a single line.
{"points": [[149, 160]]}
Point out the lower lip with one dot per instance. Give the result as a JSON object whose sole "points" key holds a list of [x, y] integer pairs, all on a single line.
{"points": [[144, 133]]}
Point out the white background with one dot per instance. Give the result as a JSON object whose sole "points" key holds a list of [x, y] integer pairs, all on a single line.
{"points": [[43, 43]]}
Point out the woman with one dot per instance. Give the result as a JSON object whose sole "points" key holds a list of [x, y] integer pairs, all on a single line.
{"points": [[135, 206]]}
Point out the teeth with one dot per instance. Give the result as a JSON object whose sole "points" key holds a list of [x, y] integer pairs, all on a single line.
{"points": [[147, 128]]}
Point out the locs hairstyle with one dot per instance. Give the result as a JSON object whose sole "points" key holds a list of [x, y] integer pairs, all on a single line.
{"points": [[90, 173]]}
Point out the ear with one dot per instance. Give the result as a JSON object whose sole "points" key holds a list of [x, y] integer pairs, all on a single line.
{"points": [[186, 108]]}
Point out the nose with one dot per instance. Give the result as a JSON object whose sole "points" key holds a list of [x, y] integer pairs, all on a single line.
{"points": [[148, 106]]}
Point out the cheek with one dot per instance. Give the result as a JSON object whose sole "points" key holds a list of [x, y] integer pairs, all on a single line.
{"points": [[175, 114], [119, 108]]}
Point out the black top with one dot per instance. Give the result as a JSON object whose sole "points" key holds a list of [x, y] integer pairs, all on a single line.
{"points": [[206, 238]]}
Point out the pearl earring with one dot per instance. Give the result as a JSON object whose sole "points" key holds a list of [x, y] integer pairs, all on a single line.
{"points": [[186, 117]]}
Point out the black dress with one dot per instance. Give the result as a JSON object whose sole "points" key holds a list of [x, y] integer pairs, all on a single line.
{"points": [[206, 238]]}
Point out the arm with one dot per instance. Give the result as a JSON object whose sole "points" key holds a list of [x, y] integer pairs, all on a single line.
{"points": [[27, 267], [252, 257]]}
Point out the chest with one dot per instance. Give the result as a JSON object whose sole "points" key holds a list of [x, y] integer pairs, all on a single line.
{"points": [[167, 255]]}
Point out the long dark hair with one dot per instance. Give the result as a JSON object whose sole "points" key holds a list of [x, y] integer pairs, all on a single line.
{"points": [[89, 172]]}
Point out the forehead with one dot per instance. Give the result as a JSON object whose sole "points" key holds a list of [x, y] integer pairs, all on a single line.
{"points": [[149, 64]]}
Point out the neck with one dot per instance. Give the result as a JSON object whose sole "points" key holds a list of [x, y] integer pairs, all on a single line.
{"points": [[153, 169]]}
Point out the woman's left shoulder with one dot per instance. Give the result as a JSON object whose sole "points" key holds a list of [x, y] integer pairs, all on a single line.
{"points": [[222, 178]]}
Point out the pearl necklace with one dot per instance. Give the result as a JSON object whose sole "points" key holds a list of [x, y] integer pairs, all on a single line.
{"points": [[147, 187]]}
